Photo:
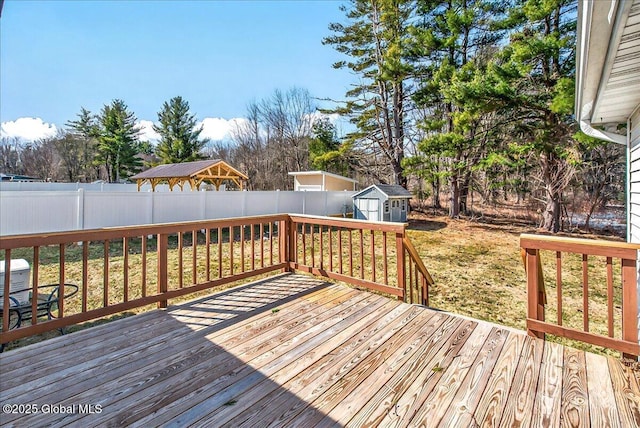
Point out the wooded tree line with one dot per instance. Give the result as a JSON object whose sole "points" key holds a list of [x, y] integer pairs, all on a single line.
{"points": [[472, 96], [452, 98], [106, 145]]}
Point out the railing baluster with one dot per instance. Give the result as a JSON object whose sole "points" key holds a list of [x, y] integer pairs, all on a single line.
{"points": [[400, 265], [610, 296], [271, 243], [144, 267], [373, 256], [231, 239], [253, 247], [330, 250], [105, 285], [340, 249], [384, 257], [7, 289], [304, 244], [321, 235], [559, 284], [261, 245], [295, 243], [207, 243], [180, 269], [219, 252], [242, 248], [194, 257], [163, 268], [410, 291], [125, 270], [34, 286], [313, 256], [585, 293], [61, 282], [361, 253], [350, 252]]}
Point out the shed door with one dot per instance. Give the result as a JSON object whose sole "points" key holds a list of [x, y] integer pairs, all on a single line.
{"points": [[396, 212], [369, 208]]}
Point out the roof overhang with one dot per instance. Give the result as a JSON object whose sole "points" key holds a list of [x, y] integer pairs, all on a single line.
{"points": [[321, 173], [607, 66]]}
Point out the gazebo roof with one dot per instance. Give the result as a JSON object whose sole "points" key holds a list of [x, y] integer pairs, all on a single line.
{"points": [[194, 173]]}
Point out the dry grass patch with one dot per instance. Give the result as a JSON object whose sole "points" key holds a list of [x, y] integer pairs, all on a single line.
{"points": [[478, 272]]}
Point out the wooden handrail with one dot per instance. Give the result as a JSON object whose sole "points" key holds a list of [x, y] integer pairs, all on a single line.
{"points": [[413, 253], [110, 233], [622, 250]]}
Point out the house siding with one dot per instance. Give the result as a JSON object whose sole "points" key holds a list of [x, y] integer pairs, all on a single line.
{"points": [[634, 179]]}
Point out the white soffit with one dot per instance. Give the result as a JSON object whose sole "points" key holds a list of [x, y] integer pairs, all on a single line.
{"points": [[619, 87]]}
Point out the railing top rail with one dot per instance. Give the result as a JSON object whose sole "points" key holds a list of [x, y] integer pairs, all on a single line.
{"points": [[383, 226], [41, 239], [594, 247], [418, 261]]}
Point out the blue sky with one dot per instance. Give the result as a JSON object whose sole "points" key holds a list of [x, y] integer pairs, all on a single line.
{"points": [[57, 56]]}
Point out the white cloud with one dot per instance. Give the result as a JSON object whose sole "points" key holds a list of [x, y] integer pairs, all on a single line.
{"points": [[316, 115], [28, 129], [147, 133], [216, 128]]}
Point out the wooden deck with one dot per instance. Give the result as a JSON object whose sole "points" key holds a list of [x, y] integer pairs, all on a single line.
{"points": [[296, 351]]}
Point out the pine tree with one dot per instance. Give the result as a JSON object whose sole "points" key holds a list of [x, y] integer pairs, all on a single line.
{"points": [[452, 43], [533, 77], [80, 149], [118, 143], [179, 134], [375, 42]]}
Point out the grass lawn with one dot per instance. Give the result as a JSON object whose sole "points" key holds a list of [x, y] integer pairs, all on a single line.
{"points": [[478, 272]]}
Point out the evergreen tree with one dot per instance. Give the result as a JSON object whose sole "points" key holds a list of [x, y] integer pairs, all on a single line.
{"points": [[118, 143], [179, 135], [533, 77], [375, 41], [452, 43], [325, 151], [79, 149]]}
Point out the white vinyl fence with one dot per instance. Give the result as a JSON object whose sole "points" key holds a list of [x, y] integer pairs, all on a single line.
{"points": [[23, 212]]}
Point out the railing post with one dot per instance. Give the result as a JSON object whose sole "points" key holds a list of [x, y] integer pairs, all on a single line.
{"points": [[163, 261], [534, 309], [629, 303], [291, 231], [283, 235], [402, 280]]}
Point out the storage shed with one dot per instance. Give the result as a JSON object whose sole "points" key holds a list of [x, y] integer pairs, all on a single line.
{"points": [[382, 202], [321, 181]]}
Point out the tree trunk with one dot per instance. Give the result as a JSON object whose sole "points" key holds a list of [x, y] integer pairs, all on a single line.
{"points": [[435, 190], [454, 199], [551, 215]]}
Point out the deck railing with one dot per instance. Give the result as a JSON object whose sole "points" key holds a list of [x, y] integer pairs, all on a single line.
{"points": [[587, 280], [360, 253], [123, 268]]}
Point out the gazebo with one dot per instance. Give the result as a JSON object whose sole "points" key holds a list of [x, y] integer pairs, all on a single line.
{"points": [[215, 171]]}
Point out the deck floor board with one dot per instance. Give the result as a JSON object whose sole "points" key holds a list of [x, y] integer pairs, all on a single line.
{"points": [[293, 350]]}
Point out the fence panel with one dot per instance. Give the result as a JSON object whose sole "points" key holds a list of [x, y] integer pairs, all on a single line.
{"points": [[36, 212], [24, 212], [104, 209]]}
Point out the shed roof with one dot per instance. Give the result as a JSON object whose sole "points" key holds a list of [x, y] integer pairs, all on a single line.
{"points": [[328, 174], [391, 190], [194, 173]]}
